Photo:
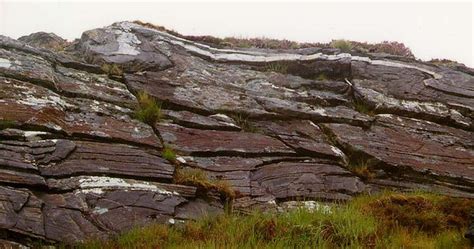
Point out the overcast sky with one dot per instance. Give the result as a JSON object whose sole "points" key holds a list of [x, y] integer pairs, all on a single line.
{"points": [[431, 30]]}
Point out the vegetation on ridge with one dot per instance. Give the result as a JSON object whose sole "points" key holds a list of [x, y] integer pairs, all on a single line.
{"points": [[388, 220], [389, 47]]}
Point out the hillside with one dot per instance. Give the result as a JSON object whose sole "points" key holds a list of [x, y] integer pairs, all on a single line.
{"points": [[133, 124]]}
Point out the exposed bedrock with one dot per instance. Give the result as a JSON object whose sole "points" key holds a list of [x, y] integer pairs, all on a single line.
{"points": [[277, 125]]}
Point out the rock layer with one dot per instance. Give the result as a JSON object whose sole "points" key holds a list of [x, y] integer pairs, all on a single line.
{"points": [[75, 163]]}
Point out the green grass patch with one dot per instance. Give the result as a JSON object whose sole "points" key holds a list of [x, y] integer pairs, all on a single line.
{"points": [[360, 223], [148, 109], [168, 154]]}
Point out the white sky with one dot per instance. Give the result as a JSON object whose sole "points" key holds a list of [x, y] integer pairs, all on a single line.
{"points": [[430, 29]]}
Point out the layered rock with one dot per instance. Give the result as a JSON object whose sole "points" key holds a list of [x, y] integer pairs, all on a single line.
{"points": [[277, 126]]}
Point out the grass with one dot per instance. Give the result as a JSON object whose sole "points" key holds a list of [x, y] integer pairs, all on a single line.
{"points": [[199, 178], [387, 220], [362, 107], [343, 45], [244, 123], [279, 67], [111, 69], [168, 154], [148, 109], [389, 47], [361, 167]]}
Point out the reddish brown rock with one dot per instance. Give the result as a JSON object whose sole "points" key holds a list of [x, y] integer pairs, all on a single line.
{"points": [[304, 136], [21, 212], [114, 159], [417, 145], [193, 120], [30, 105], [195, 141], [317, 179]]}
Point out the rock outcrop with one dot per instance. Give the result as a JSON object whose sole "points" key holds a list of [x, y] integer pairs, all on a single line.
{"points": [[277, 125]]}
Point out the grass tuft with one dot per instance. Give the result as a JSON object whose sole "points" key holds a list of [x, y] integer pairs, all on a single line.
{"points": [[244, 123], [279, 67], [361, 167], [148, 109], [168, 154], [343, 45], [199, 179], [112, 69], [362, 107]]}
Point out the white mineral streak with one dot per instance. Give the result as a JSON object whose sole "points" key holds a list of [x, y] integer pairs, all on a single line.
{"points": [[181, 159], [5, 63], [96, 184], [337, 151], [29, 134]]}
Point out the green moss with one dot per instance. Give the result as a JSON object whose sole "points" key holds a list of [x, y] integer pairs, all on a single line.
{"points": [[148, 109]]}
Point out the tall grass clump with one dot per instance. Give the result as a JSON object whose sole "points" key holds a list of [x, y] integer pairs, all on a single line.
{"points": [[148, 109], [111, 69]]}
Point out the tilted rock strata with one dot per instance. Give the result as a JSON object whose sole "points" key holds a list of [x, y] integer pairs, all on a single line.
{"points": [[275, 125]]}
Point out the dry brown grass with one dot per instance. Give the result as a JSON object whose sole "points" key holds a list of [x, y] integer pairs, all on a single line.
{"points": [[422, 212], [199, 179]]}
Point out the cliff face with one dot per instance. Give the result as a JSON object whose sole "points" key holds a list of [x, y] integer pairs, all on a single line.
{"points": [[277, 125]]}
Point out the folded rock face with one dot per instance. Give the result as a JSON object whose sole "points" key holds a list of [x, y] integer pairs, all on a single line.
{"points": [[275, 125]]}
